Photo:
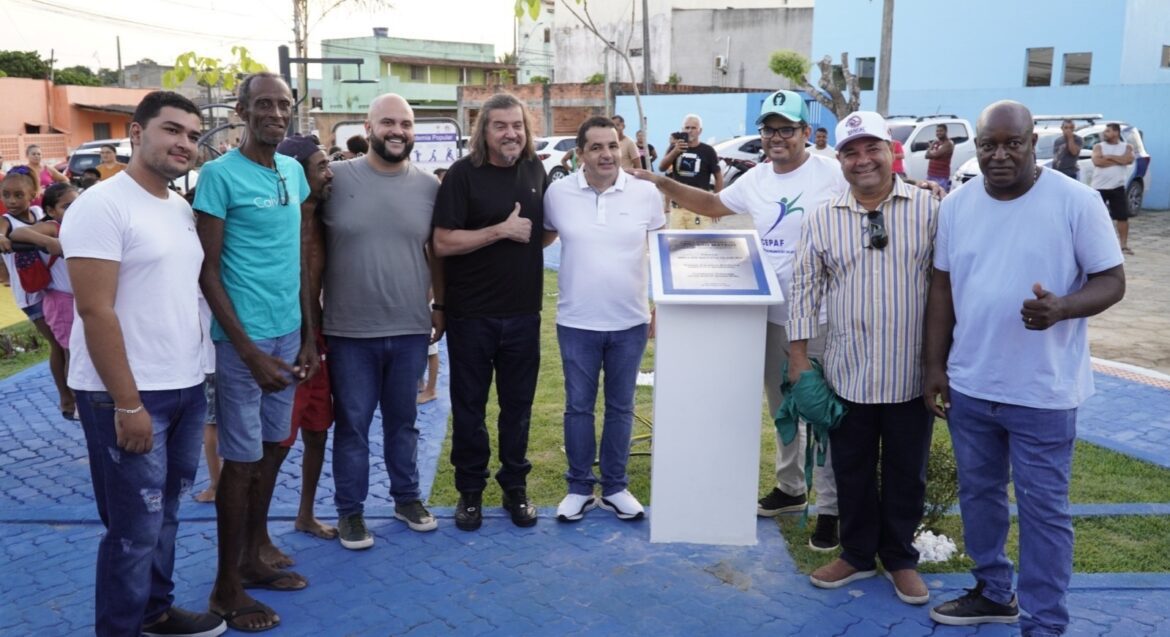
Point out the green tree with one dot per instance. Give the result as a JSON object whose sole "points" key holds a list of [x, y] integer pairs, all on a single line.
{"points": [[596, 78], [838, 91], [109, 77], [211, 72], [538, 79], [24, 64], [76, 76]]}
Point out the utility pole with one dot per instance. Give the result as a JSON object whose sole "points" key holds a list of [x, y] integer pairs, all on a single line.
{"points": [[646, 75], [118, 43], [883, 89], [300, 43]]}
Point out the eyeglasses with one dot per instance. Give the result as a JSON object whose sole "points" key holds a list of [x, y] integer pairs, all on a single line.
{"points": [[785, 132], [875, 227], [281, 189]]}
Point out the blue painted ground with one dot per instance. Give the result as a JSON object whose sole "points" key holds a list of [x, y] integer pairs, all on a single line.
{"points": [[597, 577]]}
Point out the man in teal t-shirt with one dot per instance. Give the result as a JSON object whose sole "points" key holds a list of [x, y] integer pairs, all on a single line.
{"points": [[249, 205]]}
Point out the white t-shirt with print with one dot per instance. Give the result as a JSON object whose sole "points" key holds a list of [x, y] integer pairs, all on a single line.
{"points": [[778, 204], [159, 256]]}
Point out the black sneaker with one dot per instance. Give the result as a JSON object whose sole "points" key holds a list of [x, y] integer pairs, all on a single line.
{"points": [[826, 536], [469, 511], [974, 608], [416, 516], [353, 534], [184, 623], [517, 504], [778, 502]]}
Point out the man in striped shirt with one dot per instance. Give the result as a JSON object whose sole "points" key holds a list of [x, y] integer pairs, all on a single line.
{"points": [[866, 256]]}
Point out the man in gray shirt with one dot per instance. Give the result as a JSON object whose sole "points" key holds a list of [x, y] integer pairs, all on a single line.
{"points": [[377, 322], [1066, 150]]}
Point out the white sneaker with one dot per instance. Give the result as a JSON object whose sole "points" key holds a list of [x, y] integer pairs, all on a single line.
{"points": [[624, 504], [574, 507]]}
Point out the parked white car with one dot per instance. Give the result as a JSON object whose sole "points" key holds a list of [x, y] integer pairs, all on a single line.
{"points": [[1137, 179], [550, 150], [738, 155], [916, 133]]}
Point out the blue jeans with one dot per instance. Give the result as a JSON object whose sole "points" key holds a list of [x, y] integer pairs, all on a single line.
{"points": [[993, 443], [367, 373], [509, 347], [138, 497], [584, 354], [248, 416]]}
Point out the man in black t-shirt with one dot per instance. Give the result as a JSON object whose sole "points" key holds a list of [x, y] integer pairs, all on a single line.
{"points": [[691, 162], [489, 220]]}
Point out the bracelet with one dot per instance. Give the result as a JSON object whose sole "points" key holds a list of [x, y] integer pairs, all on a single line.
{"points": [[137, 409], [438, 307]]}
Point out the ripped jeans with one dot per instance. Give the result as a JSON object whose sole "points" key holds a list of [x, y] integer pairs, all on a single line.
{"points": [[137, 497]]}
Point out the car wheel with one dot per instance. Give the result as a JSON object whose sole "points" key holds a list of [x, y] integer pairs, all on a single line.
{"points": [[557, 172], [1134, 195]]}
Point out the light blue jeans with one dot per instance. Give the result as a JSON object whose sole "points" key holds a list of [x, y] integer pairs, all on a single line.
{"points": [[584, 354], [137, 497], [995, 442], [249, 417]]}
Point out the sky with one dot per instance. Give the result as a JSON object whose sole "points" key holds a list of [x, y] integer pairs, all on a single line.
{"points": [[85, 32]]}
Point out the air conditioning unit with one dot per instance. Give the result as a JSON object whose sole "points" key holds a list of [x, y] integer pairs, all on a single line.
{"points": [[721, 62]]}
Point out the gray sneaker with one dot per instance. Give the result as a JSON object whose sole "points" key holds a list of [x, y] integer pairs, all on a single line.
{"points": [[352, 532], [416, 516]]}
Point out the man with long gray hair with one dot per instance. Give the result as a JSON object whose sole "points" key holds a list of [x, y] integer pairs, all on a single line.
{"points": [[488, 220]]}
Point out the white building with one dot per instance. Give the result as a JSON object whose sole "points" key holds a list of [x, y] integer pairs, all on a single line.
{"points": [[700, 42], [534, 44]]}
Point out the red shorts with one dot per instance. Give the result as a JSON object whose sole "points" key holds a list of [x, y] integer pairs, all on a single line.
{"points": [[312, 404]]}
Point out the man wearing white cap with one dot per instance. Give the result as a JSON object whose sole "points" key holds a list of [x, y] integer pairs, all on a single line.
{"points": [[866, 257], [775, 196]]}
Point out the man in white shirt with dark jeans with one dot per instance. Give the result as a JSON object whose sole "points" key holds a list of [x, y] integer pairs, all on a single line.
{"points": [[603, 217], [134, 260]]}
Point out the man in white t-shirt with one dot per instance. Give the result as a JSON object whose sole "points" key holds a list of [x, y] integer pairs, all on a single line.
{"points": [[821, 144], [602, 217], [1022, 257], [1111, 156], [777, 195], [134, 262]]}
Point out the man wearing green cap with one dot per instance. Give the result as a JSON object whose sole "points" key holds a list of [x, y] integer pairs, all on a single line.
{"points": [[776, 195]]}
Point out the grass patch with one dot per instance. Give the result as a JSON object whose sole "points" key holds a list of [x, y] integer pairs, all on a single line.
{"points": [[22, 336], [1121, 544]]}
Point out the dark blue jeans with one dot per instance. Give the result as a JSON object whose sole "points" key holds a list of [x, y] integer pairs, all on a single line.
{"points": [[994, 443], [584, 354], [137, 498], [368, 373], [478, 347]]}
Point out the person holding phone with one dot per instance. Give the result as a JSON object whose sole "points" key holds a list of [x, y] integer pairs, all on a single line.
{"points": [[691, 162]]}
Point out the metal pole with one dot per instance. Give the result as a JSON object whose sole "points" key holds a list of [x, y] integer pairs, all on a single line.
{"points": [[646, 75], [883, 88]]}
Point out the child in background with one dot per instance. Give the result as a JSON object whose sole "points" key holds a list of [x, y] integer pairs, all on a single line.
{"points": [[17, 190], [57, 299]]}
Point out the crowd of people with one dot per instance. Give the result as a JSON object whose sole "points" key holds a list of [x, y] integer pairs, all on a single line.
{"points": [[221, 322]]}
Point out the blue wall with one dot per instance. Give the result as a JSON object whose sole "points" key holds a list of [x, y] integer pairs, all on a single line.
{"points": [[958, 57], [725, 115]]}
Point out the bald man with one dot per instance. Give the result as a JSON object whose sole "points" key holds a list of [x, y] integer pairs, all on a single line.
{"points": [[378, 319], [1023, 256]]}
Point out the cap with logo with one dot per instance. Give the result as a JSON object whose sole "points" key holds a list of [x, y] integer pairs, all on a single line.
{"points": [[861, 124], [787, 104]]}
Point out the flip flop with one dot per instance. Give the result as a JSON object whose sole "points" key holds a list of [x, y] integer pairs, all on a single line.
{"points": [[258, 607], [269, 583]]}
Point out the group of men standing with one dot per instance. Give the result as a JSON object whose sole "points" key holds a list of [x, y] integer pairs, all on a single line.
{"points": [[910, 306]]}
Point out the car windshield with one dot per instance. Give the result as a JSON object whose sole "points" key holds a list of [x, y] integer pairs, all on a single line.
{"points": [[541, 143], [901, 132]]}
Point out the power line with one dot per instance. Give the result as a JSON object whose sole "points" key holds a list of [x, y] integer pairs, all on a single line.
{"points": [[49, 7]]}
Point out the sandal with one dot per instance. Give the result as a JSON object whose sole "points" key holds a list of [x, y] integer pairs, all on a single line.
{"points": [[259, 607]]}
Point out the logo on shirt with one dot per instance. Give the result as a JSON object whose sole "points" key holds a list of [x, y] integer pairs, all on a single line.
{"points": [[786, 208]]}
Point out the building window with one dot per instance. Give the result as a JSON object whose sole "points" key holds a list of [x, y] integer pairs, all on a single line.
{"points": [[1077, 67], [636, 52], [865, 73], [547, 36], [336, 73], [1039, 67], [418, 73], [101, 130], [1166, 56]]}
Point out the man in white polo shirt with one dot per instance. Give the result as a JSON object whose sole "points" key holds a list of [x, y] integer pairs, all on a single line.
{"points": [[777, 195], [602, 217]]}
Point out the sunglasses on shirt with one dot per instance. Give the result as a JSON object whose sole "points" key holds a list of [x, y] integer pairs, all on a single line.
{"points": [[875, 227]]}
